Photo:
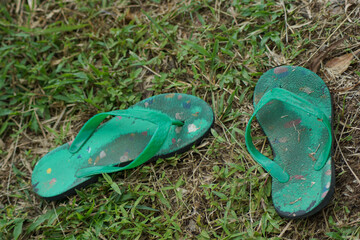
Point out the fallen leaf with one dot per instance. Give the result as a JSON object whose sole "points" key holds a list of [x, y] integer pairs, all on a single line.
{"points": [[55, 62], [339, 65], [2, 144], [316, 61]]}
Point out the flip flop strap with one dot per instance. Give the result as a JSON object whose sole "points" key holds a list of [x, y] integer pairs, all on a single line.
{"points": [[162, 120], [292, 99]]}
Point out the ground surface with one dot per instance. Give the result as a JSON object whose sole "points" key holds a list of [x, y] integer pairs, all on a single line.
{"points": [[63, 61]]}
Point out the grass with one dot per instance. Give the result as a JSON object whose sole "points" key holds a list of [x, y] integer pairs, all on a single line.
{"points": [[63, 61]]}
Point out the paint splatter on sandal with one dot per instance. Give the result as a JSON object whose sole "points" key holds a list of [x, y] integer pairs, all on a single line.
{"points": [[294, 108], [159, 126]]}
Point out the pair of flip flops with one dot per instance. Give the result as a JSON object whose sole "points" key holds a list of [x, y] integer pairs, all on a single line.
{"points": [[292, 105]]}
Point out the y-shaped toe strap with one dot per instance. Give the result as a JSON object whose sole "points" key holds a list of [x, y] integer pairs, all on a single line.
{"points": [[292, 99], [162, 120]]}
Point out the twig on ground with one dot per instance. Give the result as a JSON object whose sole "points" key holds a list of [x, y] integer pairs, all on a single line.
{"points": [[285, 229], [328, 38], [338, 148]]}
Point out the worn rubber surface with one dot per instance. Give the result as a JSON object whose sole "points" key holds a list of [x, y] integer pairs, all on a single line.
{"points": [[297, 139], [119, 141]]}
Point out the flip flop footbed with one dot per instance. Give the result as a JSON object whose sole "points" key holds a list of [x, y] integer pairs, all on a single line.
{"points": [[120, 140], [297, 138]]}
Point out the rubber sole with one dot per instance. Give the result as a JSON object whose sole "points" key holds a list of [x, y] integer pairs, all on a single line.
{"points": [[95, 178], [331, 190]]}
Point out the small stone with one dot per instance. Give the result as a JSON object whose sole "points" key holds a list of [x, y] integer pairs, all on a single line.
{"points": [[192, 226]]}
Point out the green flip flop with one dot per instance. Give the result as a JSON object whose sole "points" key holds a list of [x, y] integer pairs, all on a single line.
{"points": [[159, 126], [294, 108]]}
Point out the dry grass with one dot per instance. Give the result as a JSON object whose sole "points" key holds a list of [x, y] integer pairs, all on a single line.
{"points": [[213, 191]]}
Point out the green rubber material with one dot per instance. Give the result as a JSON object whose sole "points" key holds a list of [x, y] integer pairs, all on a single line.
{"points": [[158, 126], [293, 106], [162, 121]]}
